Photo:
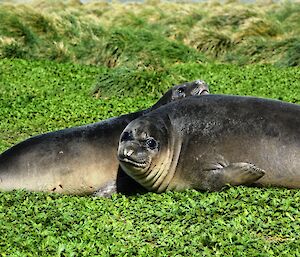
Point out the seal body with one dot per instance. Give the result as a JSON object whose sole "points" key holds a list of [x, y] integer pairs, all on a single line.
{"points": [[208, 142], [79, 160]]}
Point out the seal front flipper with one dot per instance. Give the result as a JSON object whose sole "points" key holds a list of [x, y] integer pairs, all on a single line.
{"points": [[241, 173], [234, 174], [107, 190]]}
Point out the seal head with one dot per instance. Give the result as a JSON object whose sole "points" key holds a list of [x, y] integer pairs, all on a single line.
{"points": [[197, 87], [146, 152], [181, 91]]}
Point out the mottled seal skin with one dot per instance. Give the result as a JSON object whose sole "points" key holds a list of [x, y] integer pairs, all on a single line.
{"points": [[208, 142], [79, 160]]}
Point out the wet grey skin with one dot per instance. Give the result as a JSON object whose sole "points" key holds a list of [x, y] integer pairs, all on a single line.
{"points": [[79, 160], [208, 142]]}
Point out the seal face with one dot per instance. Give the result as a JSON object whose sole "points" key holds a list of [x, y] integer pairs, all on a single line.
{"points": [[79, 160], [184, 90], [149, 154], [208, 142], [139, 146], [197, 87]]}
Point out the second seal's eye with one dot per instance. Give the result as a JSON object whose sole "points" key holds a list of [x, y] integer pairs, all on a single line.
{"points": [[180, 90], [126, 136], [151, 143]]}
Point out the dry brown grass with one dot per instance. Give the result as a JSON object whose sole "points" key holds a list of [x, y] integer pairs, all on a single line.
{"points": [[222, 31]]}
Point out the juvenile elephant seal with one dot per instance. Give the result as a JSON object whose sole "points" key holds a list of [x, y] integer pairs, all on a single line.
{"points": [[79, 160], [208, 142]]}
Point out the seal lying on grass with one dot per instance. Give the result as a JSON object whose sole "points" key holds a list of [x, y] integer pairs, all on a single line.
{"points": [[79, 160], [208, 142]]}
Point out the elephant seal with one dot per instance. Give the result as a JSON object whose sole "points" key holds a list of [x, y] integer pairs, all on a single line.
{"points": [[79, 160], [208, 142]]}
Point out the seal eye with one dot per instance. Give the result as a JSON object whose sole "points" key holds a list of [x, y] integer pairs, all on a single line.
{"points": [[126, 136], [151, 143], [180, 90]]}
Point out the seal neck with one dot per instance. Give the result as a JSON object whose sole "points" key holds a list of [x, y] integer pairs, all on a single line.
{"points": [[171, 161], [165, 166], [166, 98]]}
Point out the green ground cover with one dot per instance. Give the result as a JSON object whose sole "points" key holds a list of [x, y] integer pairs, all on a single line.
{"points": [[65, 64], [236, 222], [40, 96]]}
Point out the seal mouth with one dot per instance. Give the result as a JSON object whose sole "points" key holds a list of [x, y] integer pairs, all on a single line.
{"points": [[134, 163], [203, 92], [200, 91]]}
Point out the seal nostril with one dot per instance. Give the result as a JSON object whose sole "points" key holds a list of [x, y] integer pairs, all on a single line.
{"points": [[128, 152]]}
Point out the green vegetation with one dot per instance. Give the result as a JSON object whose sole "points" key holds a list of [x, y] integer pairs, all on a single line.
{"points": [[65, 64], [236, 222], [40, 96], [154, 34]]}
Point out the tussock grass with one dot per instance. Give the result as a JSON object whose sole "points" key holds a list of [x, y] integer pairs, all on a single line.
{"points": [[215, 43], [115, 34]]}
